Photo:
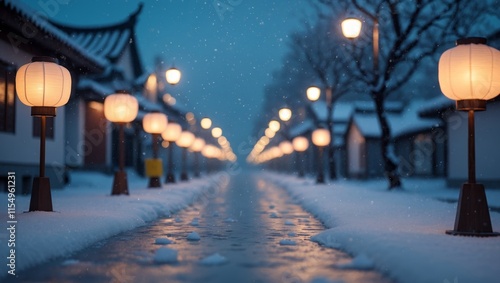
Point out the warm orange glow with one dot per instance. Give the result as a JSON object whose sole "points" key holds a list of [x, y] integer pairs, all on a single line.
{"points": [[351, 27], [313, 93], [216, 132], [154, 123], [43, 83], [172, 132], [173, 76], [285, 114], [321, 137], [120, 107]]}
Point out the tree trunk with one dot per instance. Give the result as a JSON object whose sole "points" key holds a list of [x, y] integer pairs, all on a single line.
{"points": [[390, 165]]}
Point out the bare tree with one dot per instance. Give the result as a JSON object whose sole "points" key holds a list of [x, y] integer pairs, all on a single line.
{"points": [[409, 32]]}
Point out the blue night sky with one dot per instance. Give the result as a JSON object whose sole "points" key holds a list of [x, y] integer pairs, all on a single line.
{"points": [[227, 56]]}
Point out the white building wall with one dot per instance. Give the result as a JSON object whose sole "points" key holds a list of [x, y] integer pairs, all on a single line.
{"points": [[21, 147], [355, 142]]}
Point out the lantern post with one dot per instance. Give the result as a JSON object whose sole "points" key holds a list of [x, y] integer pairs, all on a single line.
{"points": [[321, 139], [154, 123], [313, 93], [171, 134], [43, 85], [300, 144], [196, 148], [468, 74], [184, 141], [120, 108]]}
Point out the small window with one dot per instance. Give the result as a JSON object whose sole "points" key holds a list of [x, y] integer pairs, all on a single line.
{"points": [[49, 127], [7, 98]]}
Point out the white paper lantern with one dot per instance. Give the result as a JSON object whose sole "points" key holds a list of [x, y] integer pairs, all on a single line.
{"points": [[173, 76], [321, 137], [470, 71], [43, 83], [154, 123], [351, 27], [172, 132], [185, 139], [120, 107], [300, 144], [313, 93]]}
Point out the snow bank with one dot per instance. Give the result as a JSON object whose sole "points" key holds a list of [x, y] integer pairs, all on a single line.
{"points": [[165, 255], [399, 233], [86, 213], [193, 236], [215, 259]]}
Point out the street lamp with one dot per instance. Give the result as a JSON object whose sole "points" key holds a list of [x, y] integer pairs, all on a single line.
{"points": [[216, 132], [171, 134], [274, 125], [206, 123], [173, 76], [197, 147], [285, 114], [320, 138], [468, 74], [300, 144], [43, 85], [351, 27], [313, 93], [184, 141], [120, 108], [154, 123]]}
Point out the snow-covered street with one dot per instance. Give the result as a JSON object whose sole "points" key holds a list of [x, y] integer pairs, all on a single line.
{"points": [[243, 230]]}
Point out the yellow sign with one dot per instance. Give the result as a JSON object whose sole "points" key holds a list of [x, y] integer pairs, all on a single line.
{"points": [[154, 167]]}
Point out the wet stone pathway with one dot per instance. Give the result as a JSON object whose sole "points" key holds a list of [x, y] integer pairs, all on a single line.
{"points": [[249, 230]]}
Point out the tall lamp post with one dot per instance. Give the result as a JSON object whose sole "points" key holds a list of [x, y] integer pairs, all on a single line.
{"points": [[313, 93], [154, 123], [120, 108], [469, 74], [320, 138], [171, 134], [196, 148], [300, 144], [184, 141], [43, 85]]}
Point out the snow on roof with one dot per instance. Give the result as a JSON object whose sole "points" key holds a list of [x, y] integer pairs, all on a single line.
{"points": [[105, 41], [301, 128], [95, 86], [41, 23], [342, 111], [407, 122], [435, 105]]}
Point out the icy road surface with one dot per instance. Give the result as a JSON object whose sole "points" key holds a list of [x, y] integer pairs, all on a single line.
{"points": [[247, 230]]}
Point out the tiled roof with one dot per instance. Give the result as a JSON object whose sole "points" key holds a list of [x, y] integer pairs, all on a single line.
{"points": [[107, 42], [17, 12]]}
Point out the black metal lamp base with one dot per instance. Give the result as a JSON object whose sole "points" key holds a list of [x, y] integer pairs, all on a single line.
{"points": [[41, 198], [170, 178], [120, 184], [473, 216], [154, 182], [320, 179], [184, 176]]}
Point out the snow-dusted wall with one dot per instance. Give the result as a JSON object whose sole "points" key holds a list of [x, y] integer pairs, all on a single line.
{"points": [[356, 146], [487, 146], [21, 147]]}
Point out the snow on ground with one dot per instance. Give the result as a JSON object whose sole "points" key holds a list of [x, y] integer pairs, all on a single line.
{"points": [[214, 259], [400, 233], [86, 213]]}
